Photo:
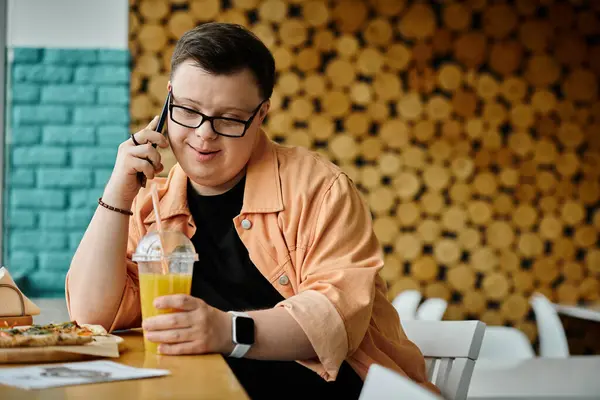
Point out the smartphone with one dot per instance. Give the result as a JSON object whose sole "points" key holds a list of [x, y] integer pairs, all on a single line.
{"points": [[162, 119]]}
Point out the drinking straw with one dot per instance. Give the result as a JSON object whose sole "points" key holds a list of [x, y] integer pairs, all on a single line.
{"points": [[154, 191]]}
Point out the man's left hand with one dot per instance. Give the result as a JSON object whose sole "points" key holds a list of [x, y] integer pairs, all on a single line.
{"points": [[194, 328]]}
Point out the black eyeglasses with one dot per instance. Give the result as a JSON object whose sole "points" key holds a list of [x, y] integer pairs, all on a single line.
{"points": [[229, 127]]}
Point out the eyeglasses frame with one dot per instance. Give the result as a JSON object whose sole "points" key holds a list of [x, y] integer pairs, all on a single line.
{"points": [[210, 119]]}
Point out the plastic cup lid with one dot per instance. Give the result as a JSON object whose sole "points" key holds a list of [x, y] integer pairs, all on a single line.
{"points": [[178, 246]]}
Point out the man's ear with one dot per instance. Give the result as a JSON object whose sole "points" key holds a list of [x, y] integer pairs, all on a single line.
{"points": [[169, 86], [264, 110]]}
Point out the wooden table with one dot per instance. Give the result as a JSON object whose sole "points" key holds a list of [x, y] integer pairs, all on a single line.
{"points": [[192, 377], [571, 378]]}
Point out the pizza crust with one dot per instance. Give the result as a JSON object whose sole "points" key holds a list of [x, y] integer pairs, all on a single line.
{"points": [[13, 341]]}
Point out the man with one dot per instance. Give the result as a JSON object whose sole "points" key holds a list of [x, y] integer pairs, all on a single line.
{"points": [[282, 236]]}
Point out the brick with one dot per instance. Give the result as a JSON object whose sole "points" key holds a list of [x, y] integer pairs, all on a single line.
{"points": [[55, 260], [41, 114], [101, 115], [110, 56], [38, 240], [21, 219], [86, 199], [25, 134], [21, 178], [38, 198], [41, 73], [101, 177], [39, 155], [21, 263], [68, 134], [80, 218], [75, 239], [25, 93], [104, 74], [64, 178], [112, 135], [70, 56], [94, 157], [45, 283], [26, 55], [118, 95], [68, 94], [53, 219]]}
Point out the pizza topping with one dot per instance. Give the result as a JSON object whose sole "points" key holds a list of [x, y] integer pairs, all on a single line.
{"points": [[67, 327], [34, 330], [10, 332]]}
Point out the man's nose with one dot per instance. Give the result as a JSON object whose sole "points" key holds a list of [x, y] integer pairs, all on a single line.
{"points": [[205, 131]]}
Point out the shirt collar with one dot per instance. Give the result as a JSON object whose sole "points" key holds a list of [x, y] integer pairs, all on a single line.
{"points": [[263, 186], [262, 193]]}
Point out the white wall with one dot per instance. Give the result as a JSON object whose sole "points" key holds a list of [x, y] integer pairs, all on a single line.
{"points": [[68, 23]]}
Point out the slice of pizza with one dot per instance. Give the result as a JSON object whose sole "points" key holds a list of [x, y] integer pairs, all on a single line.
{"points": [[64, 334]]}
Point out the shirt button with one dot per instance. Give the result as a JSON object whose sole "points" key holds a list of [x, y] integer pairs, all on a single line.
{"points": [[246, 224], [284, 280]]}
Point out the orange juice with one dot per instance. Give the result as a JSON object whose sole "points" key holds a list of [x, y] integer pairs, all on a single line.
{"points": [[153, 285]]}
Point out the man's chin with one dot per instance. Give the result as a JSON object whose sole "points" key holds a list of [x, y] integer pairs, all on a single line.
{"points": [[200, 175]]}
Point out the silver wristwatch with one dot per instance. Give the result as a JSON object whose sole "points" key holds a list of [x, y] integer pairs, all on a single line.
{"points": [[242, 326]]}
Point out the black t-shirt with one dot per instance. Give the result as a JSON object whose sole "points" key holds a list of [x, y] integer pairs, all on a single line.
{"points": [[226, 279]]}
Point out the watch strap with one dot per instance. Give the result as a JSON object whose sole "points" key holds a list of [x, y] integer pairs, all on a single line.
{"points": [[239, 350]]}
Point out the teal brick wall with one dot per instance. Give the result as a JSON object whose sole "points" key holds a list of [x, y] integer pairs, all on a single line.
{"points": [[68, 112]]}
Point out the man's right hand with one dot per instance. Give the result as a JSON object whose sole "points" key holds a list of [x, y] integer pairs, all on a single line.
{"points": [[123, 185]]}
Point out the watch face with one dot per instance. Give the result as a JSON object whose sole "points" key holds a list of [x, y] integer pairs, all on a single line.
{"points": [[244, 330]]}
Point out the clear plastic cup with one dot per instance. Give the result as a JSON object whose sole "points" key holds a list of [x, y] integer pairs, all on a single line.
{"points": [[161, 273]]}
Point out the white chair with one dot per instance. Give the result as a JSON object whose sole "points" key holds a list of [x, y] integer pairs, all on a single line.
{"points": [[553, 340], [450, 349], [432, 310], [502, 342], [384, 384], [406, 304]]}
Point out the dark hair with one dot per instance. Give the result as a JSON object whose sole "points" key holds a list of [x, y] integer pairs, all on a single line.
{"points": [[224, 49]]}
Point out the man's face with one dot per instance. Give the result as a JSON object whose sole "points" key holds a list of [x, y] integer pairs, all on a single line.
{"points": [[213, 162]]}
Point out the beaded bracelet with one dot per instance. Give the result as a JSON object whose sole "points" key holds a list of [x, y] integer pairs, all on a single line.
{"points": [[119, 210]]}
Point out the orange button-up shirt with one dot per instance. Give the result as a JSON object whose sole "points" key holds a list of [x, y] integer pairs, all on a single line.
{"points": [[310, 234]]}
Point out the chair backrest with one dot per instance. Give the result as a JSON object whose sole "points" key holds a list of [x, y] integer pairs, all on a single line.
{"points": [[553, 340], [450, 349], [384, 384], [502, 342], [406, 304], [432, 309]]}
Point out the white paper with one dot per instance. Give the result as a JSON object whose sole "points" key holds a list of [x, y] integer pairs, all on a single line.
{"points": [[77, 373]]}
